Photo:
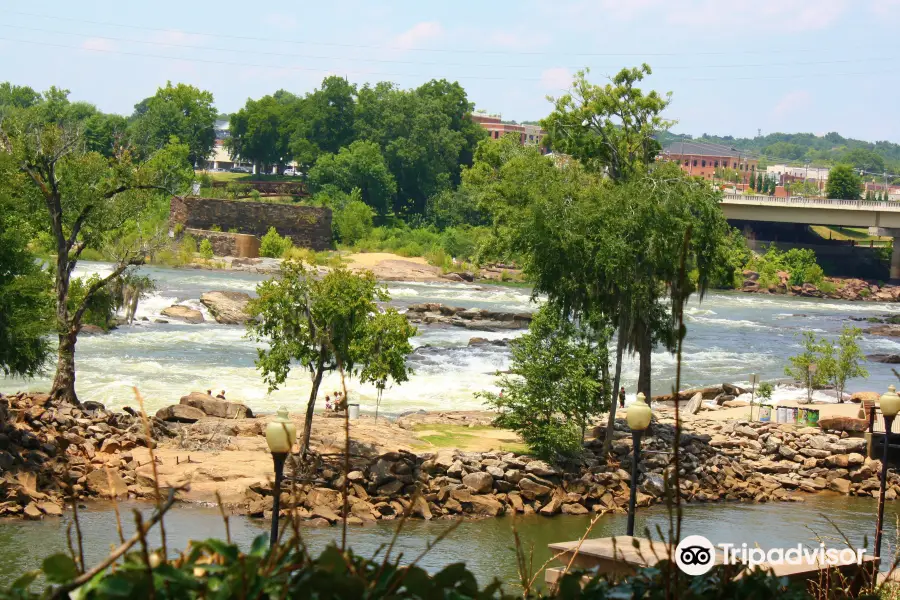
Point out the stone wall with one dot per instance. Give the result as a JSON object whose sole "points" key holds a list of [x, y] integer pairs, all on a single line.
{"points": [[228, 244], [307, 226]]}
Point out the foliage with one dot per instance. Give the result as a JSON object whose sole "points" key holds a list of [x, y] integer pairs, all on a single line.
{"points": [[728, 274], [26, 306], [323, 324], [206, 249], [463, 243], [182, 112], [359, 166], [799, 263], [353, 221], [557, 382], [843, 183], [272, 245], [452, 208], [842, 361], [609, 128], [799, 367], [386, 346], [765, 390]]}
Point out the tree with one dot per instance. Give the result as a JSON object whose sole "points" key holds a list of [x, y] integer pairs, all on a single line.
{"points": [[557, 382], [83, 200], [324, 121], [843, 183], [799, 367], [386, 347], [452, 208], [324, 324], [17, 96], [181, 111], [760, 183], [865, 159], [359, 166], [609, 128], [353, 221], [842, 361], [261, 131]]}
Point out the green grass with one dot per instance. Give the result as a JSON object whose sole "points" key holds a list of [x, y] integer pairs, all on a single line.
{"points": [[858, 234], [464, 437], [228, 176]]}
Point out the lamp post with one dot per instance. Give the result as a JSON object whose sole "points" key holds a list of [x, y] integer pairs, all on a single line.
{"points": [[280, 436], [638, 418], [890, 406]]}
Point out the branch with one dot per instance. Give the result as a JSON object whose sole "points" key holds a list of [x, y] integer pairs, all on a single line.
{"points": [[63, 591], [76, 226], [100, 284]]}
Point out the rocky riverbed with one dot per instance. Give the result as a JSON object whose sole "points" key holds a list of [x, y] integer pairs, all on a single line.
{"points": [[51, 452], [836, 288]]}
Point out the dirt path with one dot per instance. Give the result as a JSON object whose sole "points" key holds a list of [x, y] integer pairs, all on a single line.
{"points": [[392, 267]]}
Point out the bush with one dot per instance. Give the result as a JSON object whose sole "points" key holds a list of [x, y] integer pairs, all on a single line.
{"points": [[353, 221], [813, 274], [206, 249], [273, 245], [254, 195], [186, 249]]}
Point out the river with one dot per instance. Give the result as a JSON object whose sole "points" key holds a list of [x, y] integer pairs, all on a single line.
{"points": [[729, 336], [486, 546]]}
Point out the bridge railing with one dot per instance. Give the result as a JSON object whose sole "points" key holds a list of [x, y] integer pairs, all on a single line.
{"points": [[813, 202]]}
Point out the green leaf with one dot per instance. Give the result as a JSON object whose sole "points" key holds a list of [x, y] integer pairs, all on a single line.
{"points": [[260, 546], [115, 586], [59, 568], [24, 581]]}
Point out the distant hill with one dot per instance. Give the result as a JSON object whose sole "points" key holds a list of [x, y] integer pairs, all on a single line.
{"points": [[800, 148]]}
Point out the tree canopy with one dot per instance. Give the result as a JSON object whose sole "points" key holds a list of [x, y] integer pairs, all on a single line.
{"points": [[843, 183], [357, 166]]}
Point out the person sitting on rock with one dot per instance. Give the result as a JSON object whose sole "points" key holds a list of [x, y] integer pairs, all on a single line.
{"points": [[341, 404], [327, 402], [209, 393], [221, 395]]}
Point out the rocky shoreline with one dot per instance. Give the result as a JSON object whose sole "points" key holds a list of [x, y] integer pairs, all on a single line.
{"points": [[843, 289], [48, 453]]}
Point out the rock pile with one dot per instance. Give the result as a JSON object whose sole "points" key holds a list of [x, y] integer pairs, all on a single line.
{"points": [[844, 289], [46, 447], [198, 405], [471, 318], [739, 461]]}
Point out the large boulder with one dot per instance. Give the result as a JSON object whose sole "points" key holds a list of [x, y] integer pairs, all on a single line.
{"points": [[480, 482], [229, 308], [843, 424], [106, 482], [216, 407], [180, 413], [183, 313]]}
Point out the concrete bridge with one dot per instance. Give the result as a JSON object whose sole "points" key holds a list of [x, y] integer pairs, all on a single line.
{"points": [[882, 218]]}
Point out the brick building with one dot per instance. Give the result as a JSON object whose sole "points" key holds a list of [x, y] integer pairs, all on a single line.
{"points": [[496, 128], [704, 160]]}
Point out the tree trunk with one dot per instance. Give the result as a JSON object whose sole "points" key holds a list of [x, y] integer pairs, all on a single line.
{"points": [[645, 352], [611, 422], [311, 407], [64, 382]]}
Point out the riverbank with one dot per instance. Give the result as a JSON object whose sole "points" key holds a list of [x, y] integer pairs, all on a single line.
{"points": [[401, 466], [832, 288]]}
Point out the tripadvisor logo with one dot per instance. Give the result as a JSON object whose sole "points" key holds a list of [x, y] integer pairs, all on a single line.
{"points": [[695, 555]]}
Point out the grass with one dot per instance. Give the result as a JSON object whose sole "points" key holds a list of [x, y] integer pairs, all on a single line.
{"points": [[464, 437], [858, 234], [228, 176]]}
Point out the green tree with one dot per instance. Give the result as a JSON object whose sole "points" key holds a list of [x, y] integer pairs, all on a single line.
{"points": [[324, 121], [842, 361], [557, 382], [206, 249], [865, 159], [181, 111], [799, 367], [273, 245], [759, 183], [323, 324], [17, 96], [609, 128], [353, 221], [359, 166], [82, 200], [386, 346], [261, 131], [452, 208], [843, 183]]}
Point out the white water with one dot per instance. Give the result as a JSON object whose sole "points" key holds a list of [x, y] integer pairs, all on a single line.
{"points": [[729, 336]]}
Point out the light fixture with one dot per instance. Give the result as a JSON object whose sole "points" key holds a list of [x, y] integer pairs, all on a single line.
{"points": [[639, 414], [890, 402], [280, 436]]}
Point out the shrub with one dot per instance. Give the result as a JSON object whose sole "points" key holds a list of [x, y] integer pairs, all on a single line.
{"points": [[813, 274], [186, 250], [273, 245], [206, 249], [215, 228], [827, 287], [254, 195], [353, 221]]}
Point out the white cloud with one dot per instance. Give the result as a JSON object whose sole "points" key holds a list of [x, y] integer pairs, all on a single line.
{"points": [[792, 102], [556, 79], [98, 45], [417, 35]]}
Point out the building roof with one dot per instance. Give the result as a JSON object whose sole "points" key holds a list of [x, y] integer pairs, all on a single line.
{"points": [[704, 149]]}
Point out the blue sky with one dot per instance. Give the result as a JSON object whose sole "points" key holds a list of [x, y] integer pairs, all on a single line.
{"points": [[734, 67]]}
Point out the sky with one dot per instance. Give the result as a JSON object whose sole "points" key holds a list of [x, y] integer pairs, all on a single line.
{"points": [[734, 68]]}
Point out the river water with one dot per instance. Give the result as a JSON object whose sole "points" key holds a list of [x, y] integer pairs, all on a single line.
{"points": [[486, 546], [729, 336]]}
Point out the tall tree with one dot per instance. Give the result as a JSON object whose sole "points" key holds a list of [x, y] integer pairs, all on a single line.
{"points": [[325, 324], [261, 131], [609, 128], [843, 183], [182, 111], [82, 200], [361, 166], [325, 119]]}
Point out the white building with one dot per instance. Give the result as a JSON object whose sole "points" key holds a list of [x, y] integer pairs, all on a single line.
{"points": [[811, 173]]}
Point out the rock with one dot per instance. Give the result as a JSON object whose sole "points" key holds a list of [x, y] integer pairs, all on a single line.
{"points": [[540, 468], [390, 488], [787, 452], [183, 313], [92, 330], [515, 500], [216, 407], [229, 308], [869, 398], [32, 512], [180, 413], [51, 508], [485, 505], [480, 482], [574, 508], [323, 512], [98, 482], [110, 446], [840, 485], [531, 489], [843, 424], [838, 460], [693, 405], [654, 485], [420, 508], [890, 359], [551, 508], [735, 403]]}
